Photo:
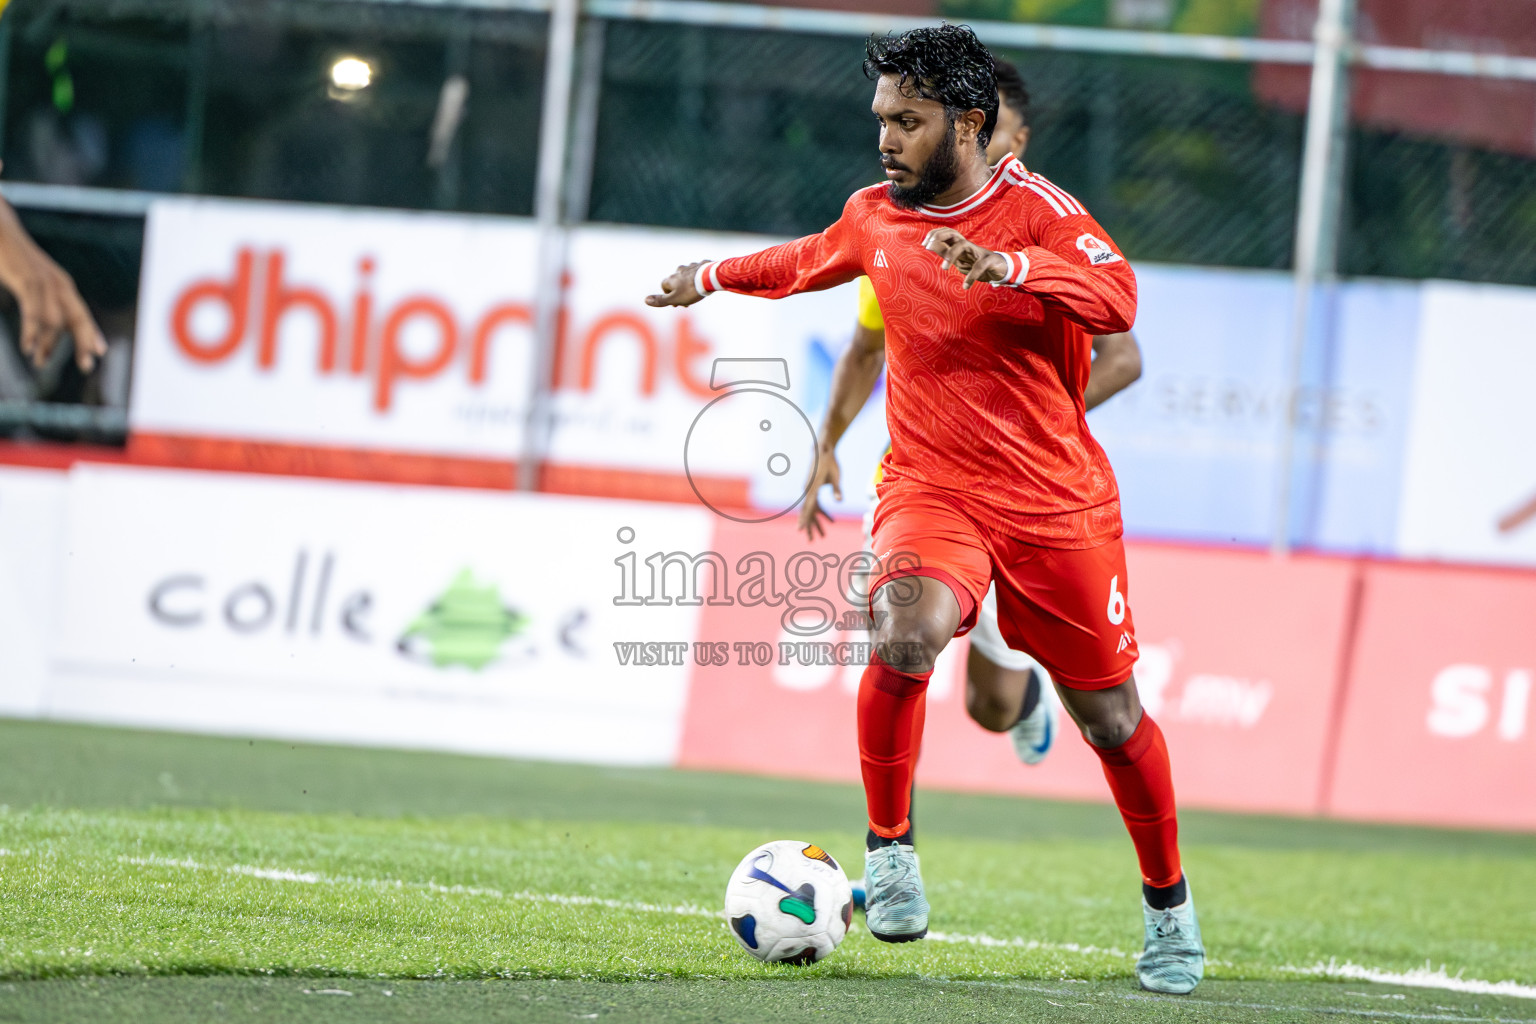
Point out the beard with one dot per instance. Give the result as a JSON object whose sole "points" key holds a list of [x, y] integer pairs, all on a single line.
{"points": [[938, 175]]}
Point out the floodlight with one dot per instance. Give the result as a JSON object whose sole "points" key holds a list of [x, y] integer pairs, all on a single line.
{"points": [[351, 74]]}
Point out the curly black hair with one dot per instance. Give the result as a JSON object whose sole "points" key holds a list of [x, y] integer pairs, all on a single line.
{"points": [[947, 64], [1010, 86]]}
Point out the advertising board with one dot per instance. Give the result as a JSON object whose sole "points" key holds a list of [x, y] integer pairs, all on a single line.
{"points": [[32, 522], [1438, 725], [394, 616], [286, 335], [1245, 707], [1469, 480]]}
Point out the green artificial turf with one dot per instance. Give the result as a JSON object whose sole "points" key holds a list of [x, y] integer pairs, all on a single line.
{"points": [[196, 1000], [164, 874]]}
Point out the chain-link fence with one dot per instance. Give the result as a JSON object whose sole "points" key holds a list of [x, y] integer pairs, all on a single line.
{"points": [[708, 126], [744, 131], [770, 131], [231, 98], [1453, 196], [1188, 161], [1175, 157]]}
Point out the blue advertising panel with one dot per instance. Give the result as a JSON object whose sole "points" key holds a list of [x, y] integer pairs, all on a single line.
{"points": [[1195, 443], [1353, 415]]}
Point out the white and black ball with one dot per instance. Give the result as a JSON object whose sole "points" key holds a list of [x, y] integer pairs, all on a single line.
{"points": [[788, 902]]}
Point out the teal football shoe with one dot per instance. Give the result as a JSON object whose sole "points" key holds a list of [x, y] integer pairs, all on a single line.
{"points": [[1173, 959], [895, 908]]}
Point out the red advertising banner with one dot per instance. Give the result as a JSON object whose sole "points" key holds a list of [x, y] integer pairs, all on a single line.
{"points": [[790, 711], [1240, 660], [1437, 724]]}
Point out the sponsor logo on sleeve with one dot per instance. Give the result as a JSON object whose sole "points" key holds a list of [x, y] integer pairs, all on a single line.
{"points": [[1097, 250]]}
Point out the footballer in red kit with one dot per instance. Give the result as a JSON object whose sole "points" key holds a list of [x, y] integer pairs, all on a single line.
{"points": [[992, 282]]}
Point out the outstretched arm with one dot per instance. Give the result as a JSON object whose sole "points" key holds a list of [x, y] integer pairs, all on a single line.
{"points": [[808, 264], [1116, 366], [853, 381]]}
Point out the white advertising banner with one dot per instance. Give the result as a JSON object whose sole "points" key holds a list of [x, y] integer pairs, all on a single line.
{"points": [[344, 328], [362, 613], [732, 387], [32, 508], [1469, 479]]}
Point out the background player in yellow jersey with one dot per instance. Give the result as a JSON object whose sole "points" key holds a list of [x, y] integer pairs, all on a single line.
{"points": [[1005, 689]]}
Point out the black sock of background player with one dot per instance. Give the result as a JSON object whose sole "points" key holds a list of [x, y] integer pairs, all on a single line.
{"points": [[1162, 899], [1031, 697]]}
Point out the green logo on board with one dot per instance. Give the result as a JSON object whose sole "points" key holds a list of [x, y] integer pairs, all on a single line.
{"points": [[467, 626]]}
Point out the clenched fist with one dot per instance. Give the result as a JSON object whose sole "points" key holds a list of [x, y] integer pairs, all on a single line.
{"points": [[976, 263], [678, 289]]}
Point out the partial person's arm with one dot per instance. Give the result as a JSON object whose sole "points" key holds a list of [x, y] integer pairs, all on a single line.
{"points": [[853, 381], [49, 301], [808, 264], [1116, 366]]}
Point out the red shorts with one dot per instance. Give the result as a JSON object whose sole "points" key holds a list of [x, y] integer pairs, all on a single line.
{"points": [[1067, 608]]}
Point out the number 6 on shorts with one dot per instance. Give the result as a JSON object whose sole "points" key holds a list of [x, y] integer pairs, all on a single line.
{"points": [[1116, 609]]}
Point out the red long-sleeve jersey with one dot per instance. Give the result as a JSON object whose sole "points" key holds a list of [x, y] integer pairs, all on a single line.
{"points": [[985, 395]]}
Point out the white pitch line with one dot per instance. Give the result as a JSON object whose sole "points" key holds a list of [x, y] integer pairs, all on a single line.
{"points": [[1422, 977], [311, 878], [1419, 977]]}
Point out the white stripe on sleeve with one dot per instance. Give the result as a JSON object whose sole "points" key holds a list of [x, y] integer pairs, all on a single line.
{"points": [[1071, 204], [1043, 194], [1018, 278]]}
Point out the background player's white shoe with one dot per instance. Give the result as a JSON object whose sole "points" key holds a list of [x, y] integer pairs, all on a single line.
{"points": [[1035, 734]]}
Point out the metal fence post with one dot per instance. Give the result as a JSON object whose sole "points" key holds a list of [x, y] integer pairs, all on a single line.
{"points": [[589, 90], [1317, 234], [554, 134], [195, 119], [5, 69]]}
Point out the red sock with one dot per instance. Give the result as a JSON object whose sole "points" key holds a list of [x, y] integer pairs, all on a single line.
{"points": [[919, 717], [891, 711], [1141, 779]]}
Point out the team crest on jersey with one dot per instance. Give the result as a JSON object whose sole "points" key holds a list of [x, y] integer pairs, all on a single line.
{"points": [[1097, 251], [880, 260]]}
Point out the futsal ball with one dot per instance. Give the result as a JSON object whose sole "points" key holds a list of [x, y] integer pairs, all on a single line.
{"points": [[788, 902]]}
